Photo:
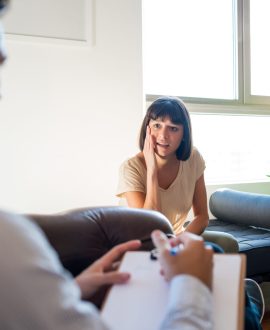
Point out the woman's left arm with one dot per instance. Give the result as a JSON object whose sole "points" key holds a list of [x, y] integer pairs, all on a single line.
{"points": [[201, 217]]}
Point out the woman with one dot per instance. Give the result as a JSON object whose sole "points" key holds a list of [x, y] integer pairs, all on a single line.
{"points": [[168, 174]]}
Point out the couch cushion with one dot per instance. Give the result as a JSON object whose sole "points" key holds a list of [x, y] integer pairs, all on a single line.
{"points": [[254, 242]]}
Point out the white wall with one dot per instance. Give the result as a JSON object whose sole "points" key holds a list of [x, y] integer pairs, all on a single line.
{"points": [[70, 115]]}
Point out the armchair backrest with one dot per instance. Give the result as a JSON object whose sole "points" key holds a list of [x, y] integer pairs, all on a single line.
{"points": [[81, 236]]}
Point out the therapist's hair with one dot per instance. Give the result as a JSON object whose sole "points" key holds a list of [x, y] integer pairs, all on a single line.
{"points": [[3, 4], [175, 109]]}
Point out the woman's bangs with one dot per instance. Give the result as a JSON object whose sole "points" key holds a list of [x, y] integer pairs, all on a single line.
{"points": [[168, 110]]}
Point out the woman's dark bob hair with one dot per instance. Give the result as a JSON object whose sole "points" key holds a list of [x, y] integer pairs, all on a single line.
{"points": [[176, 110]]}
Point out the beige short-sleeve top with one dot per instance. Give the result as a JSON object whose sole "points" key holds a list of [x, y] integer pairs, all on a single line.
{"points": [[176, 201]]}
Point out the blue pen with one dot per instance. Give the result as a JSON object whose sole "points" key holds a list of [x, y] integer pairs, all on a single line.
{"points": [[174, 250]]}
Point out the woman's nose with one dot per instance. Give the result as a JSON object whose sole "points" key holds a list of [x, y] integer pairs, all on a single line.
{"points": [[163, 133]]}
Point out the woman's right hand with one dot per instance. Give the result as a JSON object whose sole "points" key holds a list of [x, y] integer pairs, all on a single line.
{"points": [[149, 151]]}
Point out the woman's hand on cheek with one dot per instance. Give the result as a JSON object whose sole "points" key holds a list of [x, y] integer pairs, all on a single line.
{"points": [[149, 150], [153, 140]]}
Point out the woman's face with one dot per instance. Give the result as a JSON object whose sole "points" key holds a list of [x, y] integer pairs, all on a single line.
{"points": [[167, 135]]}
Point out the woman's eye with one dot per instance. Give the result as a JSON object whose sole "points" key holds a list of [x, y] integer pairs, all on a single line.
{"points": [[174, 129], [156, 125]]}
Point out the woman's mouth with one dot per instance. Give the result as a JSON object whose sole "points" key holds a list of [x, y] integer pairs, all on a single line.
{"points": [[163, 145]]}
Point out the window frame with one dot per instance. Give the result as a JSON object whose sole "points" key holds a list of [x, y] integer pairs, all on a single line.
{"points": [[249, 98], [244, 102]]}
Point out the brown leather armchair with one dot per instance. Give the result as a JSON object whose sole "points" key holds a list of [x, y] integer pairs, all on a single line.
{"points": [[81, 236]]}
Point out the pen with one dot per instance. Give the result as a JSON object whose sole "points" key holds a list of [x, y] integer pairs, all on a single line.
{"points": [[173, 252], [176, 249], [149, 239]]}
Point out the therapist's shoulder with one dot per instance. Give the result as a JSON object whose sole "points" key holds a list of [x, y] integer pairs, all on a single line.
{"points": [[20, 236], [13, 223]]}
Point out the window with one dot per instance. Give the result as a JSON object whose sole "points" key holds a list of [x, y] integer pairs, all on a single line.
{"points": [[259, 48], [188, 51], [215, 56], [195, 49], [232, 157]]}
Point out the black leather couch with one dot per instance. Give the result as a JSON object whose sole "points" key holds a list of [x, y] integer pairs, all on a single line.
{"points": [[246, 216], [81, 236]]}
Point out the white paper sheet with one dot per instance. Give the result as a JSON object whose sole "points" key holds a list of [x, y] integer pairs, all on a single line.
{"points": [[140, 304]]}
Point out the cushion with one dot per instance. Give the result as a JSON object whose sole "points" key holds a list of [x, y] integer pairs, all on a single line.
{"points": [[254, 242], [241, 208]]}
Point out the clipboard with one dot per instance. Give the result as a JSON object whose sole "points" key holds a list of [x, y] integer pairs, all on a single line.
{"points": [[141, 303]]}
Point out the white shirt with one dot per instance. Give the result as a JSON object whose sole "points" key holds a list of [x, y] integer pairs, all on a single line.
{"points": [[37, 293]]}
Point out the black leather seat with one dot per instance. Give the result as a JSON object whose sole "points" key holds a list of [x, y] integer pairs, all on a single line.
{"points": [[246, 216]]}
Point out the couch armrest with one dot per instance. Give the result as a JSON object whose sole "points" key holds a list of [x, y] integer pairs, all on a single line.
{"points": [[241, 207]]}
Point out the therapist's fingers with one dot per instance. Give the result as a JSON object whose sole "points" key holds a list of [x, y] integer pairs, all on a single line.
{"points": [[160, 240], [116, 252], [185, 238]]}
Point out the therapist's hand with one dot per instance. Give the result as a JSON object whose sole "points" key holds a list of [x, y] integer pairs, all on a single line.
{"points": [[103, 271], [193, 258]]}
